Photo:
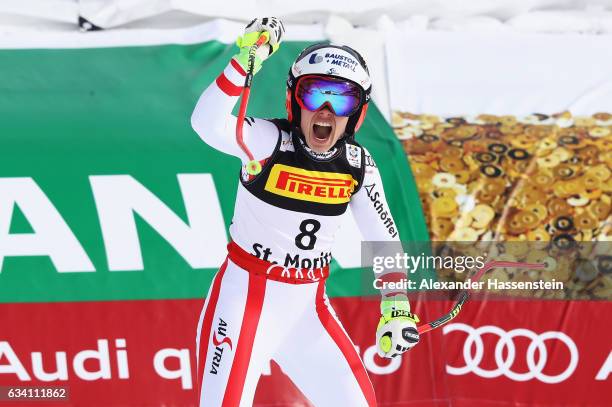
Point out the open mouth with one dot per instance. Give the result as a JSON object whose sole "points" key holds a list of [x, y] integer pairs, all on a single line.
{"points": [[321, 131]]}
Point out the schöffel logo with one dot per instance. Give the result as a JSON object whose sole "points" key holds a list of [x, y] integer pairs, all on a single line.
{"points": [[220, 338], [313, 186]]}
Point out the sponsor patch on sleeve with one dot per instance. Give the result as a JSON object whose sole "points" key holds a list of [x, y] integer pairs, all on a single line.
{"points": [[286, 143]]}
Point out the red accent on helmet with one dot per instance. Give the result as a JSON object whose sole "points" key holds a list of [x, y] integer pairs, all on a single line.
{"points": [[288, 105], [362, 116]]}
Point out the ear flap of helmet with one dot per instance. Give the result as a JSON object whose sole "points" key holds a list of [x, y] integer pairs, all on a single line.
{"points": [[362, 116]]}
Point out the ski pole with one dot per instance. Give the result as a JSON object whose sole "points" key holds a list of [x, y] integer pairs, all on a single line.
{"points": [[464, 295], [385, 341], [253, 166]]}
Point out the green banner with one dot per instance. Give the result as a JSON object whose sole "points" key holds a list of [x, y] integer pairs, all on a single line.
{"points": [[101, 173]]}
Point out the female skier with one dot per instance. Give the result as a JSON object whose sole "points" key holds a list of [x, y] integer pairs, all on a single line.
{"points": [[268, 299]]}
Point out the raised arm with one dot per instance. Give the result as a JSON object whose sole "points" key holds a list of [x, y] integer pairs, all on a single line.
{"points": [[212, 117], [373, 217], [396, 331]]}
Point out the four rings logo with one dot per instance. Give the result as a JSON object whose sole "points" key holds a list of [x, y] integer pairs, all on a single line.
{"points": [[504, 364]]}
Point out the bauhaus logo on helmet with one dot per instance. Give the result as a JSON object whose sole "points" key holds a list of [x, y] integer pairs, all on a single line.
{"points": [[504, 364], [334, 59], [315, 59]]}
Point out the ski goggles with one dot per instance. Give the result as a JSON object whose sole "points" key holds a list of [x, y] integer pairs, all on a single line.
{"points": [[343, 97]]}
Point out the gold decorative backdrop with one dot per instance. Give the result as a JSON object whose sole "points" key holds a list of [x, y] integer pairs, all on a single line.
{"points": [[538, 178]]}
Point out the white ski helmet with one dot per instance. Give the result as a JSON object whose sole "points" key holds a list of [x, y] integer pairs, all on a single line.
{"points": [[336, 61]]}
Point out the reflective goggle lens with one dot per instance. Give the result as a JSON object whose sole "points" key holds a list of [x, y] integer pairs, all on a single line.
{"points": [[342, 96]]}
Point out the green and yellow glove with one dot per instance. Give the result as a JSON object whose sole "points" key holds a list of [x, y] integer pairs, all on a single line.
{"points": [[397, 331], [272, 27]]}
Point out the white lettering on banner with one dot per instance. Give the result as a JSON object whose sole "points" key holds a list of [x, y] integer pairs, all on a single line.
{"points": [[52, 237], [370, 363], [100, 355], [266, 369], [122, 363], [61, 370], [14, 365], [504, 365], [184, 370], [606, 369], [201, 242], [101, 358]]}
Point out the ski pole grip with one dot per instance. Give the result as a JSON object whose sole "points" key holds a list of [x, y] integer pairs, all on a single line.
{"points": [[251, 63]]}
